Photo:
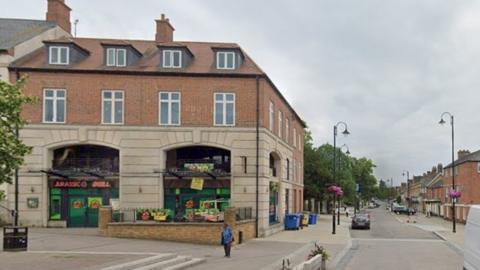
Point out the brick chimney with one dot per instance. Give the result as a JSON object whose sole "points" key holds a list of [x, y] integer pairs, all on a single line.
{"points": [[164, 30], [440, 167], [462, 153], [59, 13]]}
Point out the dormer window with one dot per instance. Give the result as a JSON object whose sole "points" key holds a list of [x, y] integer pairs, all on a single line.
{"points": [[225, 60], [116, 57], [59, 55], [172, 59]]}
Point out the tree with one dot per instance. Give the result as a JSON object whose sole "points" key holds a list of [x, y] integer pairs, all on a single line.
{"points": [[318, 172], [12, 149]]}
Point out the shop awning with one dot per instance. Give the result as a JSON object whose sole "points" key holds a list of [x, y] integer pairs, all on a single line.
{"points": [[79, 174], [186, 183], [181, 174]]}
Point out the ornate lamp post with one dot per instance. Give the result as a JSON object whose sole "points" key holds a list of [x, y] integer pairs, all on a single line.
{"points": [[348, 153], [335, 131], [454, 188], [405, 172]]}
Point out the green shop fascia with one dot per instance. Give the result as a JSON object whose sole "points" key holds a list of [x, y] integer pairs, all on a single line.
{"points": [[78, 201]]}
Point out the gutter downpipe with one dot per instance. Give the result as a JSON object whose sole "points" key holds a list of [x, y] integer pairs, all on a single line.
{"points": [[257, 157], [17, 75]]}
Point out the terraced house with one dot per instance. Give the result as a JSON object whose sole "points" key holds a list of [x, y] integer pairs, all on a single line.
{"points": [[134, 122]]}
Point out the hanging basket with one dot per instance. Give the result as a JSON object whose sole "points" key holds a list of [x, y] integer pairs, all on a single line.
{"points": [[454, 194]]}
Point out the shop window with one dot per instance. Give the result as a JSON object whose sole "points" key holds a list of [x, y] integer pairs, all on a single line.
{"points": [[55, 204]]}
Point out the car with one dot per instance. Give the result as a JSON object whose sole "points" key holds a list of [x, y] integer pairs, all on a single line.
{"points": [[361, 221], [401, 209], [471, 259]]}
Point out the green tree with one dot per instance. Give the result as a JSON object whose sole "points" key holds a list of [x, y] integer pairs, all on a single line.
{"points": [[12, 149]]}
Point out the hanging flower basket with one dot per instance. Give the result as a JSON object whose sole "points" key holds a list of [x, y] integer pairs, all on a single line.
{"points": [[336, 190], [454, 194]]}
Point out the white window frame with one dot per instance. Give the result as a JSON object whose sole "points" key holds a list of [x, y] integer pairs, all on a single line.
{"points": [[172, 52], [224, 108], [280, 123], [55, 98], [294, 137], [170, 102], [287, 129], [271, 116], [225, 60], [59, 54], [115, 57], [113, 99]]}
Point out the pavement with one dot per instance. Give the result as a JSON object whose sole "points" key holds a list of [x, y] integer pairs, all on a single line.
{"points": [[439, 226], [84, 249], [394, 244]]}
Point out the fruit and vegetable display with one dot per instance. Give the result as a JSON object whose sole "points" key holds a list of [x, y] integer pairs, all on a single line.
{"points": [[155, 214]]}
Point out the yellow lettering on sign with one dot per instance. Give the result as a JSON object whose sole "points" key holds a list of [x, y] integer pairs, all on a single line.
{"points": [[197, 183]]}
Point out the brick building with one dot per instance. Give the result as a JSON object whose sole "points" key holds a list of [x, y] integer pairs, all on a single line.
{"points": [[137, 121], [467, 179]]}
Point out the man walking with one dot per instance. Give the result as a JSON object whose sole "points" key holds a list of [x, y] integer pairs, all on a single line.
{"points": [[227, 239]]}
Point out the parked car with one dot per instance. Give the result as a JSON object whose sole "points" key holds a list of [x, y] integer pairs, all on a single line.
{"points": [[471, 260], [361, 221], [401, 209]]}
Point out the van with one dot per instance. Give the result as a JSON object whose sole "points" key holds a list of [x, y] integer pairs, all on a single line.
{"points": [[471, 260]]}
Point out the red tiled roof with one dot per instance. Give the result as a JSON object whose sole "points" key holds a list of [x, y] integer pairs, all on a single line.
{"points": [[202, 62]]}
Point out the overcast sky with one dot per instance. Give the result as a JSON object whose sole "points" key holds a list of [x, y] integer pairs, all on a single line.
{"points": [[387, 68]]}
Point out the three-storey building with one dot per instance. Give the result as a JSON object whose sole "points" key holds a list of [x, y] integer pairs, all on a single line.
{"points": [[136, 122]]}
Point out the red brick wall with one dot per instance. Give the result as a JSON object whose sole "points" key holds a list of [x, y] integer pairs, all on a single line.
{"points": [[468, 181], [141, 98]]}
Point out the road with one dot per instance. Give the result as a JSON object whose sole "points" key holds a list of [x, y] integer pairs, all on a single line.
{"points": [[393, 245]]}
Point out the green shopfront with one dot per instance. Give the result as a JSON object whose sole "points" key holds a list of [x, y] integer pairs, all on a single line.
{"points": [[82, 178], [197, 178]]}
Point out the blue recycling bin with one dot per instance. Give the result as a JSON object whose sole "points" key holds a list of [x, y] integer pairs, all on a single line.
{"points": [[312, 218], [292, 222]]}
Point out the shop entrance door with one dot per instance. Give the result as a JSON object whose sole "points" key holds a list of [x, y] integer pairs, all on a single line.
{"points": [[76, 211], [93, 204]]}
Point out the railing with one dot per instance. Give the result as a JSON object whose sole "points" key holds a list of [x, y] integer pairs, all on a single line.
{"points": [[94, 164]]}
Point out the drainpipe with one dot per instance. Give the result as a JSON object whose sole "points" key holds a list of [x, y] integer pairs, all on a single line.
{"points": [[257, 154], [17, 75]]}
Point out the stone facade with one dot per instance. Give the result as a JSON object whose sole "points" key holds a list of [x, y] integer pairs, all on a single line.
{"points": [[142, 152]]}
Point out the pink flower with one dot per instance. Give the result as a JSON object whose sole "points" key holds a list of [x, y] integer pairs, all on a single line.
{"points": [[454, 194]]}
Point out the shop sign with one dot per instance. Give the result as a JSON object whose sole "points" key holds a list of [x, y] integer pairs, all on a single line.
{"points": [[80, 184], [197, 183], [199, 167]]}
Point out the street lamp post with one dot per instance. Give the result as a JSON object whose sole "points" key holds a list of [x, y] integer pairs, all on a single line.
{"points": [[453, 164], [335, 131], [348, 153], [408, 186]]}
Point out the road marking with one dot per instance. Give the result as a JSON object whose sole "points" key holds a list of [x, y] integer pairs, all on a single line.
{"points": [[399, 240], [141, 262]]}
